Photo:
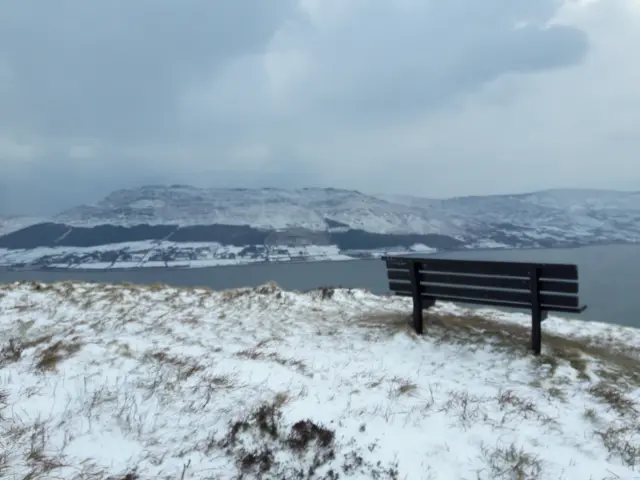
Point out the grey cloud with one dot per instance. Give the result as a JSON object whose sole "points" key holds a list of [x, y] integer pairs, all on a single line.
{"points": [[171, 91], [117, 69], [387, 61], [121, 70], [59, 183], [47, 188]]}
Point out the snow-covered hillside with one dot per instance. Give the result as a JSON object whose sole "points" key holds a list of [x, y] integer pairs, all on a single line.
{"points": [[125, 382], [261, 208], [257, 221], [11, 223], [600, 213]]}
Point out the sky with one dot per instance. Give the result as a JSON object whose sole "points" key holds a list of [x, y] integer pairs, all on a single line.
{"points": [[433, 98]]}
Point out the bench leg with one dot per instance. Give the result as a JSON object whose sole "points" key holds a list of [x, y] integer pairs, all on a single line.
{"points": [[418, 314], [417, 298], [418, 323], [537, 318], [536, 331], [536, 311]]}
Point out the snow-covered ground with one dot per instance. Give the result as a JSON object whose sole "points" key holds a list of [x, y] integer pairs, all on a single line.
{"points": [[160, 254], [120, 381], [154, 254]]}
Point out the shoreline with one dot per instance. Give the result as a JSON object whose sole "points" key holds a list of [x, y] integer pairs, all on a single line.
{"points": [[373, 256]]}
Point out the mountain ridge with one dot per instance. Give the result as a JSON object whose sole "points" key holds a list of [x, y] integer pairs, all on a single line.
{"points": [[169, 223], [274, 209]]}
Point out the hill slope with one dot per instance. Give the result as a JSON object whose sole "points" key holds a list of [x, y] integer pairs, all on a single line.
{"points": [[105, 381]]}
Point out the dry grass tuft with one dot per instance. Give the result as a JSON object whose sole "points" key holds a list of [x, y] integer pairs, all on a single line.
{"points": [[186, 368], [255, 353], [402, 386], [4, 434], [38, 462], [14, 348], [49, 358], [615, 399], [264, 447], [126, 476], [510, 463], [513, 405], [257, 456], [270, 288], [467, 408], [387, 323], [10, 352], [622, 442], [324, 293]]}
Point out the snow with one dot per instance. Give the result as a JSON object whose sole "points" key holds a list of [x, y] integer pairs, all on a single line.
{"points": [[565, 213], [105, 380], [12, 223], [419, 247], [132, 255], [490, 244]]}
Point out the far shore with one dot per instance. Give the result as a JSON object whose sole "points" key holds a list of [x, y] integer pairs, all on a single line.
{"points": [[362, 255]]}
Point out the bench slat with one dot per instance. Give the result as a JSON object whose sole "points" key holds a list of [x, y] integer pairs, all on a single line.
{"points": [[524, 298], [551, 271], [485, 281], [491, 303]]}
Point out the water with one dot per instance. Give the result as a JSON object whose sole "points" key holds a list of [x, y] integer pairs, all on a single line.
{"points": [[609, 276]]}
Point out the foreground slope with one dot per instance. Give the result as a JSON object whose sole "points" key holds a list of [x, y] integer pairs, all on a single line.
{"points": [[117, 381]]}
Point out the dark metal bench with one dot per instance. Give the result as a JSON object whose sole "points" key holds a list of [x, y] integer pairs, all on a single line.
{"points": [[541, 288]]}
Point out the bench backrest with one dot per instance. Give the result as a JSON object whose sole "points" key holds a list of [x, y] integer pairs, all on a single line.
{"points": [[548, 287]]}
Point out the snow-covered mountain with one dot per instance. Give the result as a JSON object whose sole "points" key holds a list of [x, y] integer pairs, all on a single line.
{"points": [[180, 224], [604, 215], [309, 207], [261, 208]]}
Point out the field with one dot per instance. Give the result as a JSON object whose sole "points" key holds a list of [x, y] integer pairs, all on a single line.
{"points": [[128, 382]]}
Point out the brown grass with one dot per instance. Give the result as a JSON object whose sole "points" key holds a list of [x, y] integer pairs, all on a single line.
{"points": [[49, 358], [255, 353], [621, 442], [14, 348], [615, 398], [472, 331], [402, 386], [266, 289], [260, 439], [511, 463], [186, 368], [617, 368]]}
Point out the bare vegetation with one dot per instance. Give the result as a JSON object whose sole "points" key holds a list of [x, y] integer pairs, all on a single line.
{"points": [[256, 354], [511, 463], [49, 358]]}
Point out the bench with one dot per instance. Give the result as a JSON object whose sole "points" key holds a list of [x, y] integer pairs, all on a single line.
{"points": [[541, 288]]}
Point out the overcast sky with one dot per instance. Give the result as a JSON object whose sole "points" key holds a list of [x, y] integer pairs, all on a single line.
{"points": [[426, 97]]}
